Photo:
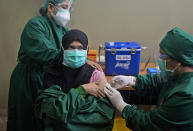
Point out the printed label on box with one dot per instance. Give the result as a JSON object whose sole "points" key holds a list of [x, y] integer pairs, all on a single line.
{"points": [[123, 65], [123, 57]]}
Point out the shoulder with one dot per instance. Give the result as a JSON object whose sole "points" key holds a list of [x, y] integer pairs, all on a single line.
{"points": [[37, 22], [38, 19], [93, 70], [87, 68], [96, 75]]}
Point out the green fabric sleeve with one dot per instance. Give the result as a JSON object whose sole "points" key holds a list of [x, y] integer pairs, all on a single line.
{"points": [[147, 85], [175, 113], [81, 91], [55, 106], [37, 45]]}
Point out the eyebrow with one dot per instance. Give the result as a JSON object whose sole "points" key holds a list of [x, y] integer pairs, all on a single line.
{"points": [[72, 46]]}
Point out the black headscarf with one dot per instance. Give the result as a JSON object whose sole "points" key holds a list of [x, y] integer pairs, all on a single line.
{"points": [[74, 35], [64, 76]]}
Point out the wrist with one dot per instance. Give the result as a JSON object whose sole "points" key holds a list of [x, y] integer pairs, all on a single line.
{"points": [[121, 106], [85, 87], [131, 81]]}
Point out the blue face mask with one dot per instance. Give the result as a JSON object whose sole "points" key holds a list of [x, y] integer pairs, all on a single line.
{"points": [[162, 66], [75, 58], [165, 73]]}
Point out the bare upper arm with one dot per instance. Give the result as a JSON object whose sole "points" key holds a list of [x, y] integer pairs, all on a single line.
{"points": [[102, 82]]}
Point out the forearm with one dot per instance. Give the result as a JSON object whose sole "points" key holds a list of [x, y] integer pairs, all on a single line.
{"points": [[136, 119], [147, 85]]}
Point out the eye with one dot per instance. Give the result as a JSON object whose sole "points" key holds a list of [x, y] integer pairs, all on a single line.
{"points": [[65, 6], [71, 47], [80, 48]]}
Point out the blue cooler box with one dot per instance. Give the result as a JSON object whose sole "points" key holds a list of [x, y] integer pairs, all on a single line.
{"points": [[122, 58]]}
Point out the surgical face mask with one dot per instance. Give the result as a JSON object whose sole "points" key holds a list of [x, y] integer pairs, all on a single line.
{"points": [[165, 73], [162, 65], [74, 58], [62, 16]]}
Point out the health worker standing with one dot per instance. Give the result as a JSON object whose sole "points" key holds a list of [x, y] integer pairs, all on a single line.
{"points": [[40, 48], [174, 86]]}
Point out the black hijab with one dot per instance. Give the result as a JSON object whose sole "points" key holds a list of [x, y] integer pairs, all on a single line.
{"points": [[64, 76], [74, 35]]}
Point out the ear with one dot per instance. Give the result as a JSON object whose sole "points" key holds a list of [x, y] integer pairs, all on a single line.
{"points": [[179, 64], [51, 9], [180, 67]]}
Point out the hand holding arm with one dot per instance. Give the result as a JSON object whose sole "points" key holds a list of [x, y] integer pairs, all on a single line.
{"points": [[94, 89]]}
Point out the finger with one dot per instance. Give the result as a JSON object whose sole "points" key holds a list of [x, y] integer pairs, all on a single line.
{"points": [[101, 92], [98, 92], [114, 78], [110, 82], [99, 68], [117, 86], [114, 84], [96, 95], [93, 66], [107, 92], [112, 90], [109, 87]]}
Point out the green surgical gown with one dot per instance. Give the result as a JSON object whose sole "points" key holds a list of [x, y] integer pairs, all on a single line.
{"points": [[40, 48], [74, 111], [174, 111]]}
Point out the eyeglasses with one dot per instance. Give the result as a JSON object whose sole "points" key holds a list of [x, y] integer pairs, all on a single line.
{"points": [[65, 6]]}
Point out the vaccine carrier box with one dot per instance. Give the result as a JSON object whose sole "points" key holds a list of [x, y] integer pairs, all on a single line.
{"points": [[122, 58]]}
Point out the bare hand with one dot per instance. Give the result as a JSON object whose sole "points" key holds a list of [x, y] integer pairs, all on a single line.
{"points": [[94, 65], [94, 89]]}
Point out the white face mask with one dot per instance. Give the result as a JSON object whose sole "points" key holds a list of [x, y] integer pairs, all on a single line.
{"points": [[62, 17]]}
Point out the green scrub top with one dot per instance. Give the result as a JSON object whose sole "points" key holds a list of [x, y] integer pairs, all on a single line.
{"points": [[175, 104], [74, 111], [40, 48]]}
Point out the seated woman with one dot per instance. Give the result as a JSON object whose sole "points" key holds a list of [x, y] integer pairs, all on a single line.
{"points": [[73, 98]]}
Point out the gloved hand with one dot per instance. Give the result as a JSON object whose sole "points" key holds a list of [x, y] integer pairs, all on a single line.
{"points": [[121, 81], [115, 97]]}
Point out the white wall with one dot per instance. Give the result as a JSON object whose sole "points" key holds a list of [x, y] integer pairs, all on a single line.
{"points": [[143, 21]]}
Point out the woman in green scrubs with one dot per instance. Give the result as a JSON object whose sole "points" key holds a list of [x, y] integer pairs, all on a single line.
{"points": [[175, 88]]}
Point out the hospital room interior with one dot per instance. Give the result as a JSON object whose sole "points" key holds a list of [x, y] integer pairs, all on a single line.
{"points": [[123, 40]]}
